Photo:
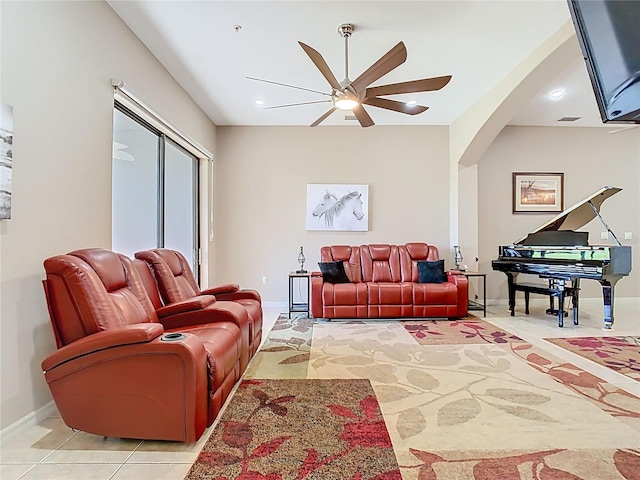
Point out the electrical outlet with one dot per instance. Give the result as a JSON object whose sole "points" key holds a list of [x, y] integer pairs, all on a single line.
{"points": [[628, 235], [604, 235], [265, 280]]}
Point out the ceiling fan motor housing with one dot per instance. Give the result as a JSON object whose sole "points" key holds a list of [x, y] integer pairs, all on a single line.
{"points": [[346, 29]]}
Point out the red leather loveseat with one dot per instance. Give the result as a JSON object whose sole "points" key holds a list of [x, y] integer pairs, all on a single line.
{"points": [[128, 365], [176, 283], [384, 283]]}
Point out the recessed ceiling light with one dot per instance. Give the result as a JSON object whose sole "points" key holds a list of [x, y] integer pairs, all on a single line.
{"points": [[411, 103], [259, 102], [557, 94]]}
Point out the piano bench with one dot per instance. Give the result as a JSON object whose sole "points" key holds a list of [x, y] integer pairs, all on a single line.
{"points": [[551, 291]]}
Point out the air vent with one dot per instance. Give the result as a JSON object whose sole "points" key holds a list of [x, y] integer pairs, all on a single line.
{"points": [[350, 117], [569, 119]]}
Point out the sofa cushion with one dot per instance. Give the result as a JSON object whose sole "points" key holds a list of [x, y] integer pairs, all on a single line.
{"points": [[390, 293], [444, 293], [380, 263], [333, 272], [431, 272], [341, 294], [353, 272], [380, 252]]}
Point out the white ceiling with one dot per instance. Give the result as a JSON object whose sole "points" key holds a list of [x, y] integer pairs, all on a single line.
{"points": [[476, 41]]}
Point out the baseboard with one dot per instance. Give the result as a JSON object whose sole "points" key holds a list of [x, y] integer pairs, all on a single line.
{"points": [[28, 421]]}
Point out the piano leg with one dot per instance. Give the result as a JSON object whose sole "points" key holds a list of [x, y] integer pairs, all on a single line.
{"points": [[575, 284], [511, 279], [607, 296], [560, 288]]}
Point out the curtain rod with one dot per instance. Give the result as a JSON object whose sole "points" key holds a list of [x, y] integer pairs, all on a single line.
{"points": [[183, 139]]}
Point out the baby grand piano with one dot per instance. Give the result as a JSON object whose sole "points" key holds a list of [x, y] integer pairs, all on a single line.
{"points": [[557, 252]]}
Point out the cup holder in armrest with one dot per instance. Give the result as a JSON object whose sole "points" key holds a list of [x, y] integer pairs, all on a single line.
{"points": [[172, 337]]}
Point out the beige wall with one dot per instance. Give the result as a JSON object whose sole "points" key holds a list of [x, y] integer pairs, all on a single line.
{"points": [[57, 62], [263, 174], [468, 223], [590, 159]]}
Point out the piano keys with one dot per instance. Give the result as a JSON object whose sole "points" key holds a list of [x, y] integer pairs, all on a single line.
{"points": [[555, 251]]}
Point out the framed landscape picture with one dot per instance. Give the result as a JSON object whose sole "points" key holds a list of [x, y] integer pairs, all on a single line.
{"points": [[538, 192]]}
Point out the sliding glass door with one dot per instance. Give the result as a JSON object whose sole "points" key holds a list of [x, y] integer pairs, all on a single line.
{"points": [[134, 200], [154, 190], [180, 201]]}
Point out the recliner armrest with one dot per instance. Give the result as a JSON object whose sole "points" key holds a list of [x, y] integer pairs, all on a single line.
{"points": [[228, 288], [462, 284], [457, 278], [127, 335], [245, 294], [188, 305]]}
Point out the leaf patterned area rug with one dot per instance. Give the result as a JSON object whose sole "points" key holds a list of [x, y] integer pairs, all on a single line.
{"points": [[285, 352], [621, 354], [473, 402], [295, 429], [467, 330]]}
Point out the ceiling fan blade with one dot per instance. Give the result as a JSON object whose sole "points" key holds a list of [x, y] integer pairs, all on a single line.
{"points": [[390, 60], [287, 85], [319, 62], [323, 117], [362, 116], [414, 86], [395, 105], [295, 104]]}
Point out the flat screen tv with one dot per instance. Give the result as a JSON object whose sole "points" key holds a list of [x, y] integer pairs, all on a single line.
{"points": [[609, 36]]}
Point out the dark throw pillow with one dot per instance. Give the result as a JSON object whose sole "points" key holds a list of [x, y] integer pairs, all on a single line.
{"points": [[333, 272], [431, 272]]}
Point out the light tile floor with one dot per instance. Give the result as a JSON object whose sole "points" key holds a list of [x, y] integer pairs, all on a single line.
{"points": [[52, 451]]}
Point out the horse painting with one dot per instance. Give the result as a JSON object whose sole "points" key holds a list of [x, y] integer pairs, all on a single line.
{"points": [[340, 207], [328, 200], [349, 204]]}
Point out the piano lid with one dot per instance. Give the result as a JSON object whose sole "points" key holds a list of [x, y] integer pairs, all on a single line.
{"points": [[578, 215]]}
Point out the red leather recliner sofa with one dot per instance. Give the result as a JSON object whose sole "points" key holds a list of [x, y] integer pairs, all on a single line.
{"points": [[177, 283], [384, 284], [128, 366]]}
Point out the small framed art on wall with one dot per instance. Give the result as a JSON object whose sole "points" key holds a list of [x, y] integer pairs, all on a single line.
{"points": [[538, 192]]}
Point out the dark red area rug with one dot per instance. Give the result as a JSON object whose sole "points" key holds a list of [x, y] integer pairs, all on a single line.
{"points": [[299, 429]]}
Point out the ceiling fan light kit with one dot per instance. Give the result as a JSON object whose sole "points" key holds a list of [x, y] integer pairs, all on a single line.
{"points": [[352, 95], [345, 101]]}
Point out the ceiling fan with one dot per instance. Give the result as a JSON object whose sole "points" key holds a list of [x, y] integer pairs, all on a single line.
{"points": [[351, 95]]}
